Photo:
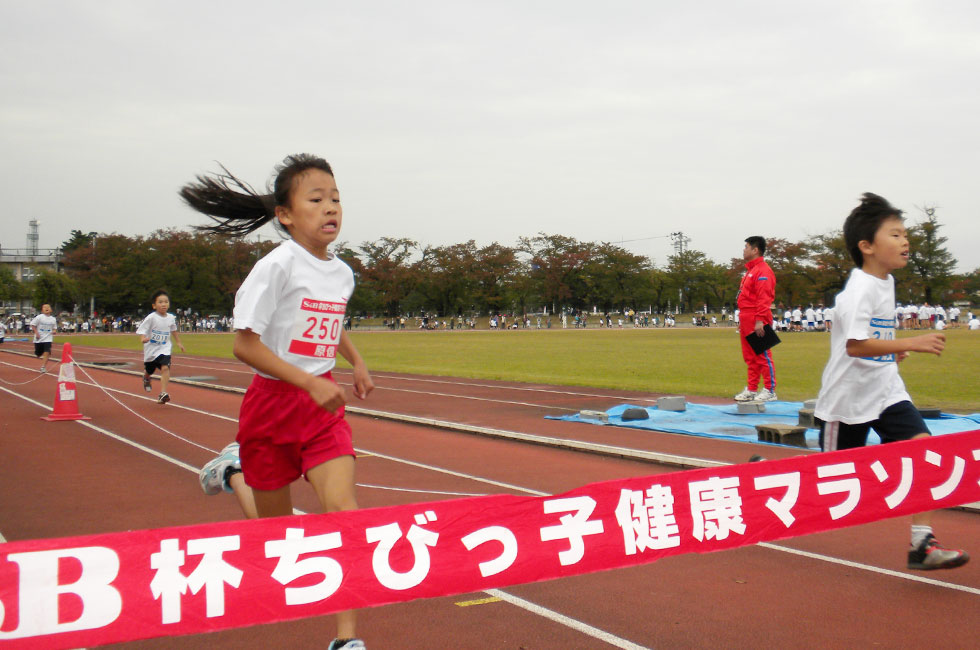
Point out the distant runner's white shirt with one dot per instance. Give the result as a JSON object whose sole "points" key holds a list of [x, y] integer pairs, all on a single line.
{"points": [[855, 390], [158, 329], [296, 303], [46, 325]]}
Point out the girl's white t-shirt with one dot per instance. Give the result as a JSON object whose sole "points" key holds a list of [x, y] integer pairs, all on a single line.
{"points": [[855, 390], [296, 303], [158, 329]]}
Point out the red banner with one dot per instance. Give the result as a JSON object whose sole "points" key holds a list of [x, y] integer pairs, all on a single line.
{"points": [[71, 592]]}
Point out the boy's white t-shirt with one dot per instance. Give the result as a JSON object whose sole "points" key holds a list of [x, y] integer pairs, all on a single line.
{"points": [[855, 390], [46, 325], [158, 329], [296, 303]]}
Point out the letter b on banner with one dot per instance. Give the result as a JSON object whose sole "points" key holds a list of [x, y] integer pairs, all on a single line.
{"points": [[39, 591]]}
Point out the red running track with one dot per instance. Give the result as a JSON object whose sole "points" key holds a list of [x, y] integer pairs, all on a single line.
{"points": [[850, 589]]}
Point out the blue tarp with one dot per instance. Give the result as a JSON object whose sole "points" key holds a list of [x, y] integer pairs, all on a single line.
{"points": [[724, 421]]}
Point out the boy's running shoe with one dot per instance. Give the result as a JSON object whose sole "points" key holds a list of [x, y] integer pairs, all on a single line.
{"points": [[348, 644], [764, 395], [930, 555], [43, 369], [164, 398], [146, 383], [745, 396], [212, 475]]}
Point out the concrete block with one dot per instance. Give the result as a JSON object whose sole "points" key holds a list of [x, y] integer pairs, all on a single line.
{"points": [[751, 407], [635, 414], [672, 403], [602, 416], [810, 404], [783, 434], [806, 419]]}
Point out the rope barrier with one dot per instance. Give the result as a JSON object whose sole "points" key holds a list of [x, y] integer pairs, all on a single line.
{"points": [[150, 422], [22, 383]]}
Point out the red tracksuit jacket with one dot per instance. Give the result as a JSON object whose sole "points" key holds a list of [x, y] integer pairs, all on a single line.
{"points": [[756, 293]]}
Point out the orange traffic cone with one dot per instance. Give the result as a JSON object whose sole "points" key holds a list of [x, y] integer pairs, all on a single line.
{"points": [[65, 402]]}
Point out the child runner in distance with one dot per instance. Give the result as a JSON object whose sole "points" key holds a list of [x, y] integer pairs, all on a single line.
{"points": [[43, 325], [861, 388], [288, 317], [155, 332]]}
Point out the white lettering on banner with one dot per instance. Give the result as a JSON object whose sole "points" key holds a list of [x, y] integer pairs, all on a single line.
{"points": [[716, 508], [782, 508], [290, 567], [647, 522], [168, 583], [211, 574], [386, 536], [950, 485], [498, 534], [572, 527], [852, 486], [41, 594], [904, 484]]}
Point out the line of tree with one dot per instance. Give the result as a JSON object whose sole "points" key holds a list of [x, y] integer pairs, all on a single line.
{"points": [[544, 272]]}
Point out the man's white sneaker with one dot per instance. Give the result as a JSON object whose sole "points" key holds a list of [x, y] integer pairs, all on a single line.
{"points": [[745, 396], [765, 395]]}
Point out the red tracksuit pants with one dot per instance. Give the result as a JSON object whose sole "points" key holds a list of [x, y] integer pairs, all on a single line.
{"points": [[759, 365]]}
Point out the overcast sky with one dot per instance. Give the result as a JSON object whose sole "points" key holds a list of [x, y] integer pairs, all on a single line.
{"points": [[449, 121]]}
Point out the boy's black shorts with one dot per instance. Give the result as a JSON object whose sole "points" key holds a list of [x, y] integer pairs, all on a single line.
{"points": [[159, 362], [901, 421], [41, 348]]}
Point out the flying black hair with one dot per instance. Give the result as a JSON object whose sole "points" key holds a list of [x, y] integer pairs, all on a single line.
{"points": [[235, 207]]}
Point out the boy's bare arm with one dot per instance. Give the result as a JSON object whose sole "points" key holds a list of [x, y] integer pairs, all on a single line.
{"points": [[931, 343]]}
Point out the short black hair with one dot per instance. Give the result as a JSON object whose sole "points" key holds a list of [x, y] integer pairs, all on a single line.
{"points": [[157, 294], [864, 221], [757, 242]]}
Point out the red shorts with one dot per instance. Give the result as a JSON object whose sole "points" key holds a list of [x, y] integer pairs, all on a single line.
{"points": [[284, 434]]}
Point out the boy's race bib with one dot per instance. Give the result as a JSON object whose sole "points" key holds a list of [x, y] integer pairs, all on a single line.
{"points": [[159, 337], [316, 332], [882, 329]]}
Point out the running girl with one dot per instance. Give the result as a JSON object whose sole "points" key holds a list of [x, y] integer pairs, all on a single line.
{"points": [[288, 319]]}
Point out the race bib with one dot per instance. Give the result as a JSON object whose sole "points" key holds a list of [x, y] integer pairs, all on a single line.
{"points": [[159, 337], [882, 329], [316, 331]]}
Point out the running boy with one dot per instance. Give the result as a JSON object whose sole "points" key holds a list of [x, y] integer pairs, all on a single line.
{"points": [[43, 325], [288, 318], [155, 332], [861, 388]]}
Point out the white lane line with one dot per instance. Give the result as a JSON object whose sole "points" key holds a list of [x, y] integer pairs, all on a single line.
{"points": [[856, 565], [524, 604], [576, 625], [462, 382]]}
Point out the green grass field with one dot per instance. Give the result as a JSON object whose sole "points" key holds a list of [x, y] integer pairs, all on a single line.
{"points": [[691, 361]]}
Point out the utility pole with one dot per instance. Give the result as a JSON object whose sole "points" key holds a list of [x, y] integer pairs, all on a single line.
{"points": [[680, 242]]}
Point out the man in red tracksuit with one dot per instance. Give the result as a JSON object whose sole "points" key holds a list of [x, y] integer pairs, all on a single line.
{"points": [[755, 296]]}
